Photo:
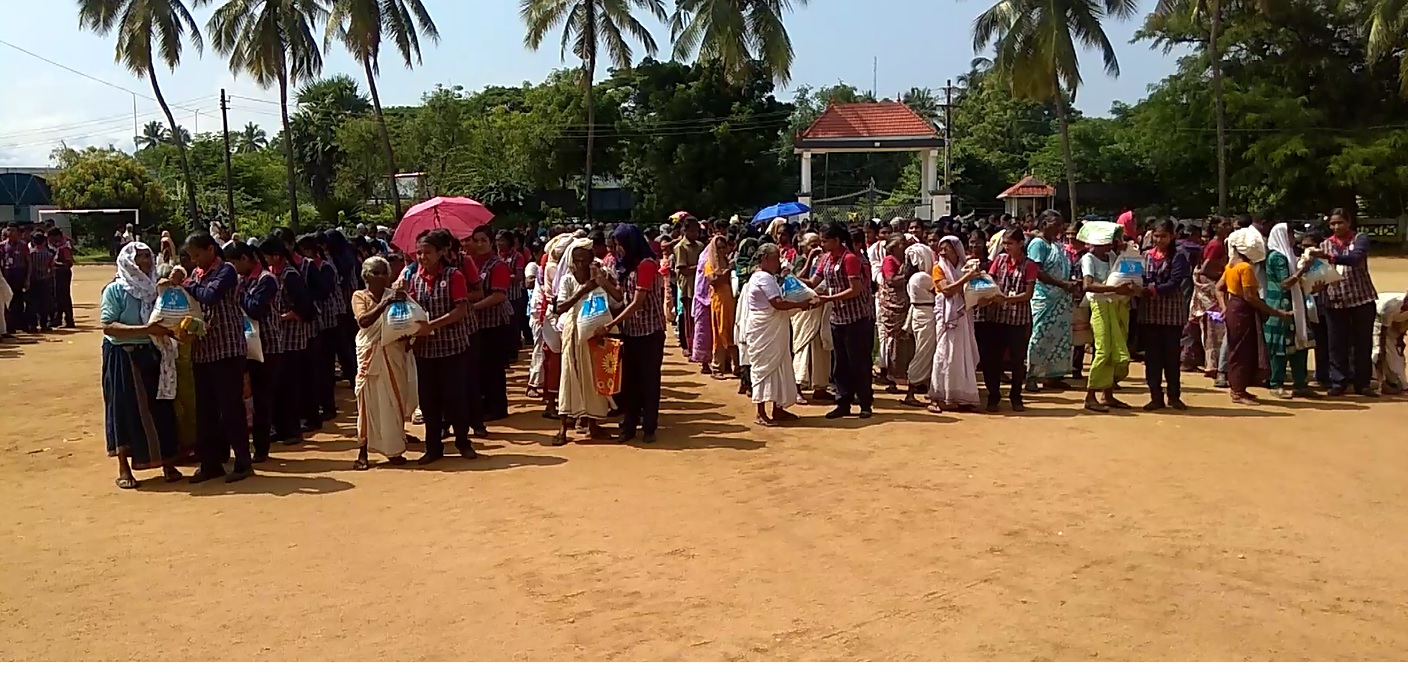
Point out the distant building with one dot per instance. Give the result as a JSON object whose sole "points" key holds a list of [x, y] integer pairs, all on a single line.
{"points": [[24, 191]]}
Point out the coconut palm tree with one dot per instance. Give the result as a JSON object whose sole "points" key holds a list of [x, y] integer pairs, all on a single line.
{"points": [[587, 27], [147, 30], [251, 140], [361, 25], [1036, 45], [271, 41], [178, 135], [153, 134], [736, 32]]}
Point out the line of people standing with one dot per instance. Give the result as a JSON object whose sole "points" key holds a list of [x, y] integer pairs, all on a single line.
{"points": [[37, 265]]}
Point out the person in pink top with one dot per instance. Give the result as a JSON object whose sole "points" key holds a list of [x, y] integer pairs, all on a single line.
{"points": [[1126, 221]]}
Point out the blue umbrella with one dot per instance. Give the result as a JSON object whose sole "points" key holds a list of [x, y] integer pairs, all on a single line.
{"points": [[781, 209]]}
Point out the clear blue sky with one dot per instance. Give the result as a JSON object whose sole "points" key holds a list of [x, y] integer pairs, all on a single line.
{"points": [[919, 43]]}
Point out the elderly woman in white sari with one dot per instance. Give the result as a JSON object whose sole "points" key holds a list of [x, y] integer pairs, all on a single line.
{"points": [[1390, 327], [769, 337], [385, 385], [919, 268], [577, 398], [542, 308], [953, 384], [811, 329]]}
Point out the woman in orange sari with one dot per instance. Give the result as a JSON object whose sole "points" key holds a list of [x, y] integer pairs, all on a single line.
{"points": [[722, 306]]}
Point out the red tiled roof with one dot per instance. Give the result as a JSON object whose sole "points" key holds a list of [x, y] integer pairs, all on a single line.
{"points": [[1028, 187], [887, 119]]}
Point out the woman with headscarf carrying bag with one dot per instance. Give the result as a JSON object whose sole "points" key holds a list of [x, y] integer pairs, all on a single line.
{"points": [[919, 267], [140, 428], [1240, 298], [954, 381], [1288, 342], [642, 325], [577, 397], [811, 329]]}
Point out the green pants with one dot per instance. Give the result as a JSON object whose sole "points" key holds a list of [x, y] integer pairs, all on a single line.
{"points": [[1299, 371]]}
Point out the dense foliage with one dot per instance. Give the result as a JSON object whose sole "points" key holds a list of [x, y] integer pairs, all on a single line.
{"points": [[1312, 122]]}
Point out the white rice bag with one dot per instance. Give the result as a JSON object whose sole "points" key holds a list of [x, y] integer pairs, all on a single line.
{"points": [[402, 319], [594, 314], [1319, 271], [980, 288], [254, 347], [174, 304], [1127, 268]]}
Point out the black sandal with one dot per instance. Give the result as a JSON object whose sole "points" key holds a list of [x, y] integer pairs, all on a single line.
{"points": [[559, 440], [361, 464], [128, 482]]}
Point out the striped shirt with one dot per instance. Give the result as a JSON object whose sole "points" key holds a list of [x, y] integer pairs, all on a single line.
{"points": [[256, 293], [1164, 277], [290, 336], [216, 291], [1357, 288], [336, 303], [438, 294], [1012, 279], [837, 272], [517, 263], [649, 317], [494, 276]]}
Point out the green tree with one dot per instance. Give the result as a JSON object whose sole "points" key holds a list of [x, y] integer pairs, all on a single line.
{"points": [[323, 106], [740, 33], [147, 30], [152, 134], [1036, 46], [105, 178], [271, 41], [588, 26], [251, 139], [361, 26]]}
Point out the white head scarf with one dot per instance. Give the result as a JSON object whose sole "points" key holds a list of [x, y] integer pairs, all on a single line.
{"points": [[953, 305], [1280, 242], [920, 256], [1247, 244], [131, 278], [565, 263]]}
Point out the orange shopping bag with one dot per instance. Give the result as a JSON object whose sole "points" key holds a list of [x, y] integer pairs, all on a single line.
{"points": [[606, 365]]}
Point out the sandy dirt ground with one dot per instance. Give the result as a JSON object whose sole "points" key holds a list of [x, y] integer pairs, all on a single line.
{"points": [[1270, 532]]}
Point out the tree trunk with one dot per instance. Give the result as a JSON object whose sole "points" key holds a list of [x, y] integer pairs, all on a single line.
{"points": [[288, 151], [191, 206], [385, 138], [1061, 116], [1219, 106], [591, 127]]}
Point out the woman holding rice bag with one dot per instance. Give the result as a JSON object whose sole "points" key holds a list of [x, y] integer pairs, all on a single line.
{"points": [[219, 358], [953, 383], [1109, 316], [1242, 305], [642, 324], [768, 333], [141, 429], [385, 399], [577, 397], [1004, 322]]}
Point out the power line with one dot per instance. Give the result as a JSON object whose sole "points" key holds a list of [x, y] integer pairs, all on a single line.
{"points": [[69, 127], [51, 62]]}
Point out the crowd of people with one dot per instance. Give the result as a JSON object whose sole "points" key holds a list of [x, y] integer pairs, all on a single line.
{"points": [[948, 315], [37, 285]]}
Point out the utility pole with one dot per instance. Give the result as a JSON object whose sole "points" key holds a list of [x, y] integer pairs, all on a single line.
{"points": [[229, 182], [875, 77], [136, 145], [948, 134]]}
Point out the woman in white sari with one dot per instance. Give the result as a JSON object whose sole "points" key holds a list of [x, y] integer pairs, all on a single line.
{"points": [[577, 397], [548, 348], [769, 338], [919, 266], [811, 329], [954, 381], [385, 385]]}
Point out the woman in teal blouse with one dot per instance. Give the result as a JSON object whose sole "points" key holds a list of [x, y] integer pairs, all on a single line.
{"points": [[141, 429]]}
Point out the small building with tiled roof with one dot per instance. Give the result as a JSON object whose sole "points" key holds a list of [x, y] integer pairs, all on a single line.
{"points": [[1029, 195], [885, 126]]}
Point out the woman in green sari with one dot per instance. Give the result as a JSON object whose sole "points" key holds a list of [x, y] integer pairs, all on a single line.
{"points": [[1109, 319], [1288, 340]]}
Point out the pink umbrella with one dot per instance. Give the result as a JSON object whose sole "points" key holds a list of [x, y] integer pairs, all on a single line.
{"points": [[459, 215]]}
